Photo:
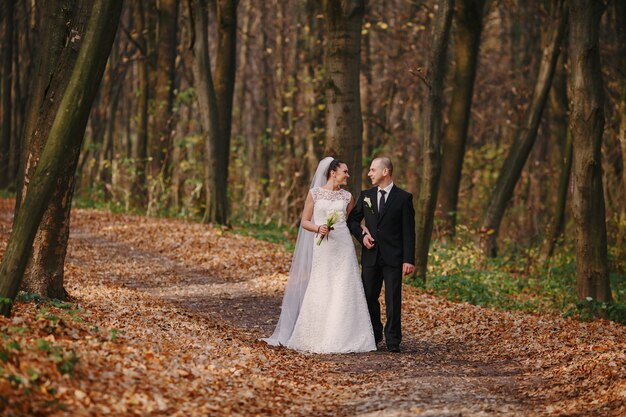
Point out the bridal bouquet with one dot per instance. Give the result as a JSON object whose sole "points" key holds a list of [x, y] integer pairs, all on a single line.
{"points": [[332, 217]]}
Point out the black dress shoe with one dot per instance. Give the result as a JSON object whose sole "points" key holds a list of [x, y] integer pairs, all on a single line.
{"points": [[393, 348]]}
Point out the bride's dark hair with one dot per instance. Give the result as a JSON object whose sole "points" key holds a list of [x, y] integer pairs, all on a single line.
{"points": [[333, 167]]}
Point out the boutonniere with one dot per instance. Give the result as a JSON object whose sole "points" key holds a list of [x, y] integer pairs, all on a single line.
{"points": [[368, 203]]}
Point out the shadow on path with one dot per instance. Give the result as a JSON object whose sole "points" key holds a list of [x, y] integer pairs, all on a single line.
{"points": [[425, 379]]}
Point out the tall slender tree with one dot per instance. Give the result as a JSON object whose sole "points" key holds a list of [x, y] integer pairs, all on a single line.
{"points": [[468, 25], [161, 137], [526, 134], [433, 118], [7, 77], [587, 125], [225, 70], [559, 133], [620, 24], [207, 103], [343, 107], [140, 145], [63, 143]]}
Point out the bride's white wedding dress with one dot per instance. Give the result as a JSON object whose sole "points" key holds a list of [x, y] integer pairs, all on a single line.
{"points": [[333, 317]]}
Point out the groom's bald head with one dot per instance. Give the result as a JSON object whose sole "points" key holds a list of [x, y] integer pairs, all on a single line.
{"points": [[384, 162]]}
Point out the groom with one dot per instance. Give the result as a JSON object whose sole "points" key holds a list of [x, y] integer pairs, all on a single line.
{"points": [[388, 248]]}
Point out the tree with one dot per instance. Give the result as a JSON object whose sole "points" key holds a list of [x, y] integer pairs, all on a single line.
{"points": [[56, 60], [7, 77], [620, 24], [215, 98], [525, 135], [343, 108], [225, 70], [586, 125], [140, 145], [207, 104], [467, 30], [559, 133], [433, 118], [63, 143], [160, 139]]}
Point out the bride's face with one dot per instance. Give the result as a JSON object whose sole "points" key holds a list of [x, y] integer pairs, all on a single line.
{"points": [[341, 175]]}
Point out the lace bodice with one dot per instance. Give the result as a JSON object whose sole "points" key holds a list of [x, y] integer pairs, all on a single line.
{"points": [[328, 201]]}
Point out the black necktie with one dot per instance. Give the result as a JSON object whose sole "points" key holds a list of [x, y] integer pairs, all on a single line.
{"points": [[381, 204]]}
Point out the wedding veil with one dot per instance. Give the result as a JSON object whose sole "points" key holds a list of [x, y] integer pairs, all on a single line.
{"points": [[299, 273]]}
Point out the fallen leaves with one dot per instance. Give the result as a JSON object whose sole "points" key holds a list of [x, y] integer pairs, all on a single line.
{"points": [[165, 316]]}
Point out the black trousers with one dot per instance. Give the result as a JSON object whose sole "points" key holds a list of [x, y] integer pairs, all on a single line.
{"points": [[373, 278]]}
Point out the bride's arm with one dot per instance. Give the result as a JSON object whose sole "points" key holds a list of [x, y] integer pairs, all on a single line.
{"points": [[307, 215]]}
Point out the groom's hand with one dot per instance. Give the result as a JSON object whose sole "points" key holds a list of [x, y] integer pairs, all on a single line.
{"points": [[368, 241], [407, 269]]}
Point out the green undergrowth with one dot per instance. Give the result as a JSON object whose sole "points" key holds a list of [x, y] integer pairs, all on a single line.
{"points": [[515, 280], [268, 232]]}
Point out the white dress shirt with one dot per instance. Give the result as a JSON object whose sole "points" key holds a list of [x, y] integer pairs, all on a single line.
{"points": [[378, 194]]}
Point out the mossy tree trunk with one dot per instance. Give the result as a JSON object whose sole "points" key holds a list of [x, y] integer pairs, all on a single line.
{"points": [[62, 21], [62, 145]]}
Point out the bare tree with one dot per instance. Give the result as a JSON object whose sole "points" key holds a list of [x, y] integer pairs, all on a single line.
{"points": [[433, 118], [467, 29], [161, 137], [207, 104], [587, 124], [7, 77], [343, 107], [526, 134], [225, 70]]}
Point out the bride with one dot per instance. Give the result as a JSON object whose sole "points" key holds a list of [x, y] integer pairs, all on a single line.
{"points": [[324, 308]]}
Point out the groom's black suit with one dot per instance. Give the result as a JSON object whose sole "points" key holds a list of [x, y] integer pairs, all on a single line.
{"points": [[394, 235]]}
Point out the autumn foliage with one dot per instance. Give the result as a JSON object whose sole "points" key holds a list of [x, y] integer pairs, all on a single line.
{"points": [[165, 315]]}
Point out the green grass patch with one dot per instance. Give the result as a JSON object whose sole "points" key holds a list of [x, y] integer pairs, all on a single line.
{"points": [[515, 280], [268, 232]]}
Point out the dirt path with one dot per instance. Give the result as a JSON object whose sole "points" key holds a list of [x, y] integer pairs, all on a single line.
{"points": [[173, 311], [427, 378]]}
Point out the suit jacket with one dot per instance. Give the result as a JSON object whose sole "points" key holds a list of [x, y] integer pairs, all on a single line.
{"points": [[393, 231]]}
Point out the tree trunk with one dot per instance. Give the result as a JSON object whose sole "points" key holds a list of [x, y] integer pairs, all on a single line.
{"points": [[559, 133], [620, 24], [343, 107], [433, 119], [44, 271], [140, 151], [525, 137], [586, 125], [63, 144], [207, 104], [225, 70], [161, 138], [7, 77], [468, 28]]}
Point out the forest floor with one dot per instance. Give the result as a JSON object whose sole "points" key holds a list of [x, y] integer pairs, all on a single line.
{"points": [[165, 315]]}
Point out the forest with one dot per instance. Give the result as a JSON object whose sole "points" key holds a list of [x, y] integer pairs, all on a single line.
{"points": [[155, 157]]}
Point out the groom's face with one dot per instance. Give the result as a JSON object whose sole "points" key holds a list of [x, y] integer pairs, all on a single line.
{"points": [[376, 172]]}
